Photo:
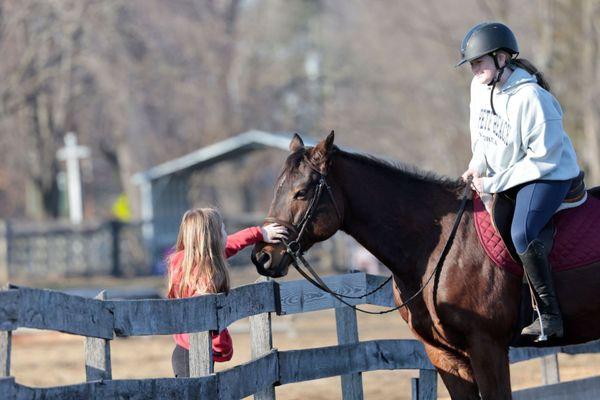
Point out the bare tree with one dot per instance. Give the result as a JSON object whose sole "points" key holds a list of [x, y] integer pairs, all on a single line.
{"points": [[145, 81], [568, 52], [591, 75], [43, 36]]}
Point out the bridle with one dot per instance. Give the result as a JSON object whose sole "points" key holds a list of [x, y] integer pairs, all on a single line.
{"points": [[296, 253], [298, 230]]}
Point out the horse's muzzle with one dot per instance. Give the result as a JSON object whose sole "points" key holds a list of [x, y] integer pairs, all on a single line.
{"points": [[263, 261]]}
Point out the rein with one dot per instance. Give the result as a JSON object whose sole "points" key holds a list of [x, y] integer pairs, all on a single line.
{"points": [[295, 252]]}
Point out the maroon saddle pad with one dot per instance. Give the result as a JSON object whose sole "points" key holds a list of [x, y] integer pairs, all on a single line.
{"points": [[576, 240]]}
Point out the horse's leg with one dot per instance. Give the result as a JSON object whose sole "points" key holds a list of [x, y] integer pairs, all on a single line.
{"points": [[489, 360], [455, 371]]}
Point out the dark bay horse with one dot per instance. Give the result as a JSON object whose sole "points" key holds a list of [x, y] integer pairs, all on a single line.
{"points": [[468, 318]]}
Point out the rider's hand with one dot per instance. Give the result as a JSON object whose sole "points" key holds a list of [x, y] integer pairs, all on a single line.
{"points": [[477, 184], [470, 173], [273, 233]]}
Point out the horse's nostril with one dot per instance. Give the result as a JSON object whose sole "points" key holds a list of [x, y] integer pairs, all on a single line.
{"points": [[264, 259]]}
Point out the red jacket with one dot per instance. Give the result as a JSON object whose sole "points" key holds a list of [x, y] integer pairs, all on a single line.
{"points": [[221, 342]]}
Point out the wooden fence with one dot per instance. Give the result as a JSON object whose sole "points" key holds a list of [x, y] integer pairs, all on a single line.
{"points": [[553, 389], [100, 320]]}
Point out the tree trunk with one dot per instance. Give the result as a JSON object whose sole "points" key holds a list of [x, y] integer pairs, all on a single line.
{"points": [[591, 76]]}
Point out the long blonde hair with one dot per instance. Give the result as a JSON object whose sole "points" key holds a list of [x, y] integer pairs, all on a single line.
{"points": [[203, 268]]}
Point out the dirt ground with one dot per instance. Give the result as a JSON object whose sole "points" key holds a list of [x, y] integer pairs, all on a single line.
{"points": [[43, 359]]}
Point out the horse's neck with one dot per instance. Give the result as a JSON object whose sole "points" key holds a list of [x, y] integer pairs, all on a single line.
{"points": [[394, 215]]}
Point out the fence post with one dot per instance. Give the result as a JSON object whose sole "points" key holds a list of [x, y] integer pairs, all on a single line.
{"points": [[115, 233], [7, 387], [5, 347], [414, 388], [4, 243], [347, 332], [427, 384], [201, 355], [262, 343], [550, 372], [97, 355]]}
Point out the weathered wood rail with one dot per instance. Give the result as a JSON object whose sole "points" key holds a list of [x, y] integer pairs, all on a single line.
{"points": [[101, 320]]}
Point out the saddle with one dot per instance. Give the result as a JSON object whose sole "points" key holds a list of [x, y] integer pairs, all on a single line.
{"points": [[503, 208], [571, 237]]}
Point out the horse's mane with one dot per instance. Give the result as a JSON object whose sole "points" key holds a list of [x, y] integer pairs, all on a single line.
{"points": [[402, 170], [395, 169]]}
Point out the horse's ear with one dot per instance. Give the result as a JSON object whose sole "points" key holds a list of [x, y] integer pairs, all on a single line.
{"points": [[296, 143], [329, 140], [321, 152]]}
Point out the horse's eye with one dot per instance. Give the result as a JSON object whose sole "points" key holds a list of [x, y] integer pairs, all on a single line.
{"points": [[300, 194]]}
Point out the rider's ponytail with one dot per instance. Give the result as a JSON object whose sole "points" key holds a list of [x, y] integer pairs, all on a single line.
{"points": [[529, 67]]}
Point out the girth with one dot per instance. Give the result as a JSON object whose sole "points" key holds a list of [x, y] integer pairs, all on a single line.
{"points": [[577, 190]]}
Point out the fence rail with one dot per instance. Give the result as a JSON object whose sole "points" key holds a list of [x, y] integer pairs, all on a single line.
{"points": [[100, 320], [582, 389], [277, 367], [52, 310]]}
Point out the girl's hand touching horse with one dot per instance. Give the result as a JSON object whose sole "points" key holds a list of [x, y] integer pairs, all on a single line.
{"points": [[273, 233]]}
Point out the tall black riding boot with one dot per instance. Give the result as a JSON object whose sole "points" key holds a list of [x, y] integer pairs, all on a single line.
{"points": [[538, 271]]}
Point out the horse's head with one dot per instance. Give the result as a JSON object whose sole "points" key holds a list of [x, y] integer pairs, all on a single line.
{"points": [[306, 201]]}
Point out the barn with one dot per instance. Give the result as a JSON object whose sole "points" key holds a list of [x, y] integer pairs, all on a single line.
{"points": [[236, 175]]}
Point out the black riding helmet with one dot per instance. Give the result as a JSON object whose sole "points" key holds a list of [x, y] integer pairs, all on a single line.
{"points": [[486, 38]]}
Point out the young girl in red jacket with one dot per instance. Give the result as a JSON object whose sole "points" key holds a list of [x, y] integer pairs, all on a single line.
{"points": [[198, 267]]}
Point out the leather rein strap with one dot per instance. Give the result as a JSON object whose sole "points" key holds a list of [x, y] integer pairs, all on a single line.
{"points": [[295, 252]]}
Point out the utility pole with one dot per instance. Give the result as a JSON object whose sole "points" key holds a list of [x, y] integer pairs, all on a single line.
{"points": [[71, 154]]}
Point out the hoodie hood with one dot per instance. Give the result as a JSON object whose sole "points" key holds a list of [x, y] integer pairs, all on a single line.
{"points": [[518, 77]]}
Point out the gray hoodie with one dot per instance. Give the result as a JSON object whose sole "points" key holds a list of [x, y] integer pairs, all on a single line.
{"points": [[525, 141]]}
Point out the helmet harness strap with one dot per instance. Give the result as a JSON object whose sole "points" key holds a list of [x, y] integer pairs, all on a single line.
{"points": [[499, 72]]}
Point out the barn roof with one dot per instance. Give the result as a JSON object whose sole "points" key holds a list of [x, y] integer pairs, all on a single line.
{"points": [[228, 148]]}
